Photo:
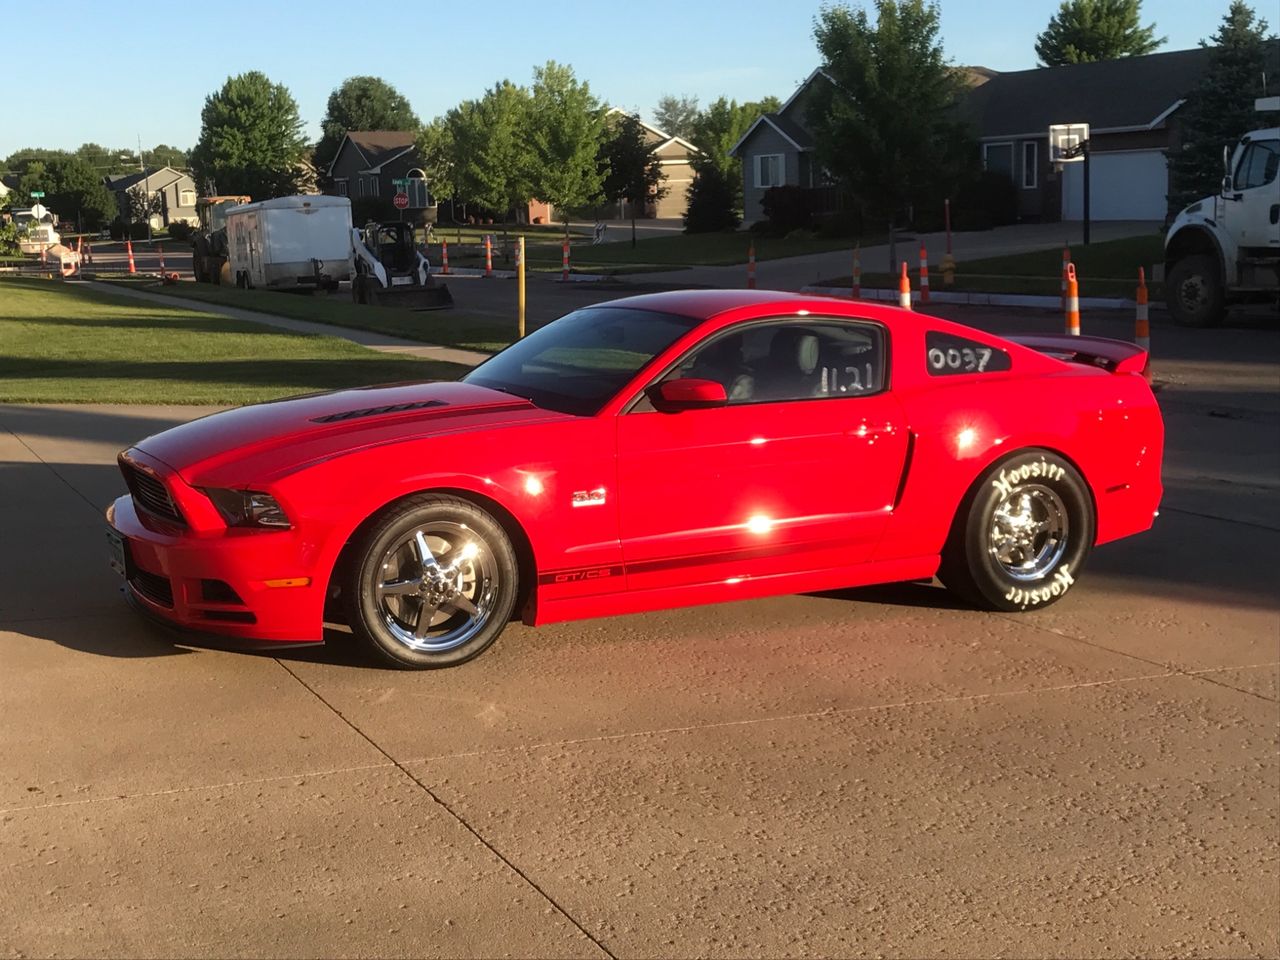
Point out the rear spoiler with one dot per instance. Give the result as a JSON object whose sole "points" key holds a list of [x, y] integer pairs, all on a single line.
{"points": [[1114, 356]]}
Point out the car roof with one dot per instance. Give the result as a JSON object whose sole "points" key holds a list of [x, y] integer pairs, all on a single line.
{"points": [[705, 304]]}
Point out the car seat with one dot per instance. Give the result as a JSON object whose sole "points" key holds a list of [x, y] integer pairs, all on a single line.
{"points": [[791, 369]]}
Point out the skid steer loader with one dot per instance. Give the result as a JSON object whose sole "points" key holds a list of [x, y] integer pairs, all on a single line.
{"points": [[391, 272]]}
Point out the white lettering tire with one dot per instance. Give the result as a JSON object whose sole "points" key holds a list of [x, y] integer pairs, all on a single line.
{"points": [[1022, 534]]}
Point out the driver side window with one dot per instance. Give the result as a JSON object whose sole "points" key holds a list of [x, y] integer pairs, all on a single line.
{"points": [[1258, 165], [790, 360]]}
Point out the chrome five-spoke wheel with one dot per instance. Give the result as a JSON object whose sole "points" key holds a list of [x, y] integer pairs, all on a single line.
{"points": [[1028, 532], [433, 582]]}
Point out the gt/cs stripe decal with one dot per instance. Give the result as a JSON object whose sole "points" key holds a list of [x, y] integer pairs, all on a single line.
{"points": [[579, 574]]}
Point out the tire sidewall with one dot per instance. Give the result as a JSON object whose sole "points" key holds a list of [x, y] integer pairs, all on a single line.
{"points": [[365, 616], [1202, 268], [1045, 468]]}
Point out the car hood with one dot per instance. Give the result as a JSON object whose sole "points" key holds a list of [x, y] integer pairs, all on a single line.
{"points": [[268, 440]]}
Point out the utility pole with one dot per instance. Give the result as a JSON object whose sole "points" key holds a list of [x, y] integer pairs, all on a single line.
{"points": [[146, 191]]}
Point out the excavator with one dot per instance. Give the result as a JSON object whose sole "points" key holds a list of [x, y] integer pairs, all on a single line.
{"points": [[209, 242], [390, 271]]}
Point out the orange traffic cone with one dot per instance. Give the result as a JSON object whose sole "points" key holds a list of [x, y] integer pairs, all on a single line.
{"points": [[1142, 328], [444, 256], [128, 247], [488, 255], [564, 261], [1073, 302], [904, 288]]}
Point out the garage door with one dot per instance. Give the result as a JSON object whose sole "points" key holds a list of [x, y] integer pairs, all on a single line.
{"points": [[1126, 186]]}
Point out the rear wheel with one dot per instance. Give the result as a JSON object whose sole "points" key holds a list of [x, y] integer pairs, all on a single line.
{"points": [[1022, 535], [433, 582], [1194, 292]]}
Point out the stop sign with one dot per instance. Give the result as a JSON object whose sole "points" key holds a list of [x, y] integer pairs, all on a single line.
{"points": [[401, 200]]}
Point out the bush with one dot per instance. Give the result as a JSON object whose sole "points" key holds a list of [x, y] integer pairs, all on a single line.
{"points": [[180, 230], [711, 202], [8, 236], [841, 224], [989, 201], [786, 209], [138, 230], [116, 229]]}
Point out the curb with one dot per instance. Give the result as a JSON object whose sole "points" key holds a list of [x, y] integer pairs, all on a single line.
{"points": [[978, 299]]}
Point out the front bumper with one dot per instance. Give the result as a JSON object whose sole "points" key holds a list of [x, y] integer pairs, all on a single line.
{"points": [[247, 585]]}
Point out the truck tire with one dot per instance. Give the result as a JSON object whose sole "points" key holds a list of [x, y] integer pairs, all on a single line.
{"points": [[1193, 291], [199, 249]]}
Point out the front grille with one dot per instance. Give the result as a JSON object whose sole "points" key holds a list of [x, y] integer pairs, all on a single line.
{"points": [[155, 588], [150, 494], [218, 591]]}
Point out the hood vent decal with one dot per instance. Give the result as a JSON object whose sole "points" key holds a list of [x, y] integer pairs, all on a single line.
{"points": [[376, 411]]}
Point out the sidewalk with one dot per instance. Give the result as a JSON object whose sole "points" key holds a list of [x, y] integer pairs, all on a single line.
{"points": [[795, 273], [366, 338]]}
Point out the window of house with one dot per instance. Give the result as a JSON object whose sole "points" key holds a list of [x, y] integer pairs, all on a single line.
{"points": [[1030, 162], [769, 170], [375, 187], [360, 186], [998, 157], [341, 186], [187, 198]]}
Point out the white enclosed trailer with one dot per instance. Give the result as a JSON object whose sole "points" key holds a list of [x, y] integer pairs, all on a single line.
{"points": [[290, 242]]}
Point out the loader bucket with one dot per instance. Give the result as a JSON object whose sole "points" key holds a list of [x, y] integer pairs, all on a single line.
{"points": [[434, 297]]}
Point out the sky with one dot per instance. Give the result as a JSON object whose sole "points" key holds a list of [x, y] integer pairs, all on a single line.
{"points": [[115, 73]]}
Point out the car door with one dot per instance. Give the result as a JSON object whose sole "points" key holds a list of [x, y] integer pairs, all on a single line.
{"points": [[1254, 207], [797, 472]]}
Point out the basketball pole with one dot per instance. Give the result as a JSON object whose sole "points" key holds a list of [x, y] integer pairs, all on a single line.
{"points": [[1085, 147]]}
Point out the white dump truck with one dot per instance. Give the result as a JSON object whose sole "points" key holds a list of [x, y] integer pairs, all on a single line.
{"points": [[1226, 249], [290, 243]]}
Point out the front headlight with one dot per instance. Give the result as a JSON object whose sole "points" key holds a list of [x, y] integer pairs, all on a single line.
{"points": [[248, 508]]}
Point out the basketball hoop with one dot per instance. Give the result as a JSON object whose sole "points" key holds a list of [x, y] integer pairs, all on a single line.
{"points": [[1065, 140]]}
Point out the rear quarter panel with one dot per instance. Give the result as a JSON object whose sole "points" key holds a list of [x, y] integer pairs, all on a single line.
{"points": [[1107, 425]]}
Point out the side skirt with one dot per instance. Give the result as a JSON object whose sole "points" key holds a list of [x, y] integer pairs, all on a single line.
{"points": [[639, 601]]}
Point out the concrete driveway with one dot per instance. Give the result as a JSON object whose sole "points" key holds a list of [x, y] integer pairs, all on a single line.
{"points": [[867, 772]]}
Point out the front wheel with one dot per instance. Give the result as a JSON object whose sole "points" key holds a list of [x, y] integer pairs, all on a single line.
{"points": [[1194, 292], [1022, 535], [433, 582]]}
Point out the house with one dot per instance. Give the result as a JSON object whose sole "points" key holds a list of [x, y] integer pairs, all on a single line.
{"points": [[675, 156], [368, 161], [1132, 108], [1130, 104], [174, 190], [778, 150]]}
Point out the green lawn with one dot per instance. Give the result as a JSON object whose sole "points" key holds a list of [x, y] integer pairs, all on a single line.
{"points": [[62, 343], [450, 328], [1106, 269]]}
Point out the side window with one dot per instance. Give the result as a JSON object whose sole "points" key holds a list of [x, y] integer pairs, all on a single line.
{"points": [[776, 362], [947, 355], [1258, 165]]}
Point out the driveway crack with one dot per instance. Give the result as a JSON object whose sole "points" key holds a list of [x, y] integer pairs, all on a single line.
{"points": [[444, 805]]}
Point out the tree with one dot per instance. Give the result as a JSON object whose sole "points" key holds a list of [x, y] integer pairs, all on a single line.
{"points": [[885, 126], [250, 139], [631, 166], [435, 150], [163, 155], [74, 190], [565, 128], [361, 103], [490, 153], [712, 204], [1220, 108], [1086, 30], [720, 126], [675, 116]]}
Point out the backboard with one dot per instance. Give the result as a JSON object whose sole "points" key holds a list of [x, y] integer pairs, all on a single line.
{"points": [[1064, 138]]}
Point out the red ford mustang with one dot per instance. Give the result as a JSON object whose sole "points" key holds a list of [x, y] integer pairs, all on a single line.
{"points": [[652, 452]]}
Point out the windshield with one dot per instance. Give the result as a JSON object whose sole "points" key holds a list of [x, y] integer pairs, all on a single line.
{"points": [[576, 364]]}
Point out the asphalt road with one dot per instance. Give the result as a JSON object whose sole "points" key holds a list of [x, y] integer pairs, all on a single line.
{"points": [[868, 772]]}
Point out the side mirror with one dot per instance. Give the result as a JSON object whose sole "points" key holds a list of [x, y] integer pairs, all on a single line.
{"points": [[1226, 158], [672, 396], [1226, 185]]}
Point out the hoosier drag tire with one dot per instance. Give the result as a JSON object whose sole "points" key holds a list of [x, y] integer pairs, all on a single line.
{"points": [[1022, 534], [432, 582]]}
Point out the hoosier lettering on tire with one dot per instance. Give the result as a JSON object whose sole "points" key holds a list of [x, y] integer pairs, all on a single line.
{"points": [[1022, 535]]}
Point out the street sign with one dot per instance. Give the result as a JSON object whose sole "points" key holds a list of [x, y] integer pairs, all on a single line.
{"points": [[37, 194], [401, 200], [38, 211]]}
